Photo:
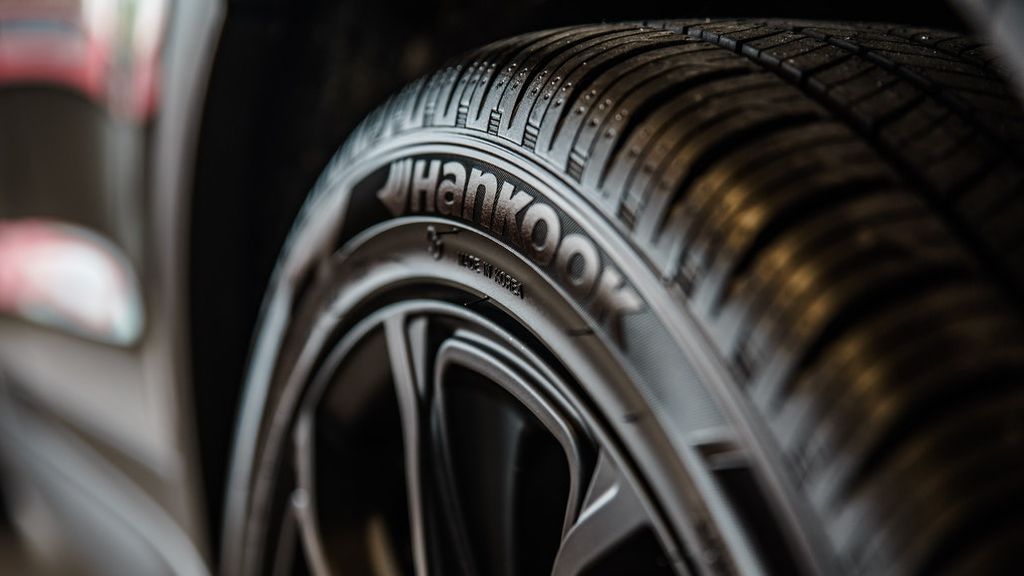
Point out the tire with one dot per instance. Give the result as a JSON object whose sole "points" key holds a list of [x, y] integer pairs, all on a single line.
{"points": [[774, 270]]}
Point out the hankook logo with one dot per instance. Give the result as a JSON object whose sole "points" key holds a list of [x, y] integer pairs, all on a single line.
{"points": [[451, 188]]}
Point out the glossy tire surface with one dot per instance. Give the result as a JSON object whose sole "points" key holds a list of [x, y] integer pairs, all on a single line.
{"points": [[812, 231]]}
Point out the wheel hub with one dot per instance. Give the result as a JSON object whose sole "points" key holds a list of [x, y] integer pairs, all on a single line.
{"points": [[436, 443]]}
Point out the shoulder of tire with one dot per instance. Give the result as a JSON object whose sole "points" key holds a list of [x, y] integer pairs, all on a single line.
{"points": [[840, 204]]}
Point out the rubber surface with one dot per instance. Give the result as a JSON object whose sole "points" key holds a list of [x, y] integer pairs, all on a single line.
{"points": [[840, 206]]}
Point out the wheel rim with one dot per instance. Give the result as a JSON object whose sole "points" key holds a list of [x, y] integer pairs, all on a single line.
{"points": [[432, 441]]}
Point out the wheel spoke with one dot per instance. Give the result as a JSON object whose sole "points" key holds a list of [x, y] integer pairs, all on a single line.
{"points": [[480, 452], [303, 499], [406, 348], [499, 471], [510, 461], [610, 514]]}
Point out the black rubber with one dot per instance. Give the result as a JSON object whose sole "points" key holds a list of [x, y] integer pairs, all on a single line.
{"points": [[840, 207]]}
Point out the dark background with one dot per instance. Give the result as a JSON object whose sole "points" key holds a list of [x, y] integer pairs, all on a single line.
{"points": [[292, 78]]}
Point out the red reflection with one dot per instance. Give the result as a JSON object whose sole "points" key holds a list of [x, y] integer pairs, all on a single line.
{"points": [[98, 48], [69, 278]]}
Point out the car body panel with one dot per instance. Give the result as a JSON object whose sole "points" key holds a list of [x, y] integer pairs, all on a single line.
{"points": [[99, 109]]}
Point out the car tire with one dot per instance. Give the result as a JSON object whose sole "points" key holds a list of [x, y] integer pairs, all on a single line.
{"points": [[763, 278]]}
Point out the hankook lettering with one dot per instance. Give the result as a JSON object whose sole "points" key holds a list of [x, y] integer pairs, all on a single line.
{"points": [[453, 189]]}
